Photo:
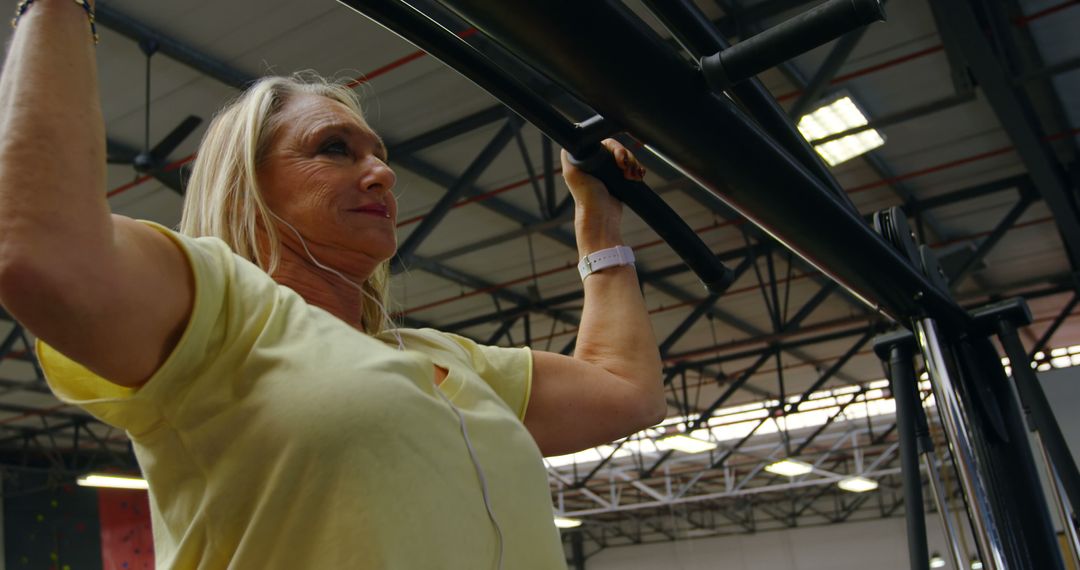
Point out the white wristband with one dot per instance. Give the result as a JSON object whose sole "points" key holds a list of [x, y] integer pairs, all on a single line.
{"points": [[605, 258]]}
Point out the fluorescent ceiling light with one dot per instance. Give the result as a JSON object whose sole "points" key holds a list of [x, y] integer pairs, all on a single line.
{"points": [[976, 565], [836, 117], [857, 484], [112, 481], [789, 467], [685, 444], [937, 561], [567, 523]]}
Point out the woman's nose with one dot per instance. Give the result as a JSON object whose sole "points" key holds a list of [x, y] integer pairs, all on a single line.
{"points": [[378, 177]]}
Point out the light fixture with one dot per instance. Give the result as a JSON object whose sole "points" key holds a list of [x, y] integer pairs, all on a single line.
{"points": [[837, 117], [562, 522], [685, 444], [936, 561], [976, 564], [789, 467], [857, 484], [112, 481]]}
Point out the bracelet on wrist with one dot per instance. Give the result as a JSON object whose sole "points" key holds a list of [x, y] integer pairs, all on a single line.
{"points": [[21, 8], [604, 259]]}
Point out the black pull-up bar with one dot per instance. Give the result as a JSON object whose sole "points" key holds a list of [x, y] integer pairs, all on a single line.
{"points": [[782, 42], [580, 139], [661, 218]]}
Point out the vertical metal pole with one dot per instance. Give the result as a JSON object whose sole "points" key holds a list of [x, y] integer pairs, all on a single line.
{"points": [[906, 394], [1068, 521], [937, 488], [958, 433], [577, 550]]}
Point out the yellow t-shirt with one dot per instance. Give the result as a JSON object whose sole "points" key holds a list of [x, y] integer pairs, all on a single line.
{"points": [[276, 436]]}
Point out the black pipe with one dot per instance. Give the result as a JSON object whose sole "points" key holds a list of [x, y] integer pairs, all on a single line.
{"points": [[660, 217], [579, 139], [1015, 488], [792, 38], [421, 30], [897, 349], [698, 35], [640, 82], [1034, 400]]}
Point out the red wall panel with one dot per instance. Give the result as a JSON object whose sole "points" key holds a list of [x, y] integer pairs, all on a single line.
{"points": [[126, 540]]}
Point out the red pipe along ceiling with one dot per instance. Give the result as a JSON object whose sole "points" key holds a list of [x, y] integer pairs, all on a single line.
{"points": [[400, 62]]}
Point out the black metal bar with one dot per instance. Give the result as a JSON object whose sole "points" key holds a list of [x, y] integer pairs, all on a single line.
{"points": [[131, 28], [455, 192], [839, 54], [530, 171], [700, 310], [807, 341], [902, 116], [711, 138], [548, 159], [690, 320], [504, 328], [1023, 512], [9, 340], [798, 35], [658, 215], [448, 131], [694, 30], [505, 294], [963, 29], [1019, 182], [1034, 399], [1044, 340], [419, 29], [991, 240], [568, 348], [795, 321], [832, 370], [898, 351]]}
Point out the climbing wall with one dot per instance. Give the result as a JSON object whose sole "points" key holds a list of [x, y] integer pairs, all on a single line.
{"points": [[126, 540]]}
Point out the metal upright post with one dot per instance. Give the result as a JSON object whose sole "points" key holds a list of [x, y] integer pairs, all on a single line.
{"points": [[941, 502], [897, 349], [1068, 518], [958, 433]]}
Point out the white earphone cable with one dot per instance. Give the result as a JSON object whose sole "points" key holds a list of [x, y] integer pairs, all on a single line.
{"points": [[401, 346]]}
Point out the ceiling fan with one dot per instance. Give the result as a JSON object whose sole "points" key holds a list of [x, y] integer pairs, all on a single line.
{"points": [[152, 161]]}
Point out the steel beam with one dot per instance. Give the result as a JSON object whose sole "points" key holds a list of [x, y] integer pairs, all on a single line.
{"points": [[962, 29], [115, 20], [817, 85], [1044, 340], [447, 132], [700, 310], [991, 240], [482, 161]]}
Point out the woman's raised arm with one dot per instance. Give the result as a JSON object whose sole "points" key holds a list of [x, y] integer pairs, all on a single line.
{"points": [[108, 292]]}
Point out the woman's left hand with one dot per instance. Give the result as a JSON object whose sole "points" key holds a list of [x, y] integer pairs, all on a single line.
{"points": [[598, 214]]}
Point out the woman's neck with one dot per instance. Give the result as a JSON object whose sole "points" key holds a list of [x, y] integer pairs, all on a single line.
{"points": [[321, 287]]}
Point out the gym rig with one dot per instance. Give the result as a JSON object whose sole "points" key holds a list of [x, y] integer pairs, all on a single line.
{"points": [[575, 70]]}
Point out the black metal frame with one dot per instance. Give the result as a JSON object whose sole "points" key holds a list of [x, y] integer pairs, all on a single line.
{"points": [[737, 19], [737, 157]]}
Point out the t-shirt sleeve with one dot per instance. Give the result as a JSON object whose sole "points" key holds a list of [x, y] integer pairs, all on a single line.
{"points": [[211, 329], [509, 371]]}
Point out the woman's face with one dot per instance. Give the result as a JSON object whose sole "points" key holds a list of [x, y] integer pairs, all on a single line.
{"points": [[325, 173]]}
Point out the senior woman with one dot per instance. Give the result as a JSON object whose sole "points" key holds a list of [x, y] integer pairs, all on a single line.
{"points": [[279, 418]]}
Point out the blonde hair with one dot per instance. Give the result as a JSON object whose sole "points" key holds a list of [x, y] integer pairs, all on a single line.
{"points": [[223, 199]]}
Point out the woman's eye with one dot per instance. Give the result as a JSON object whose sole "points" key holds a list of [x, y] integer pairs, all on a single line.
{"points": [[335, 148]]}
